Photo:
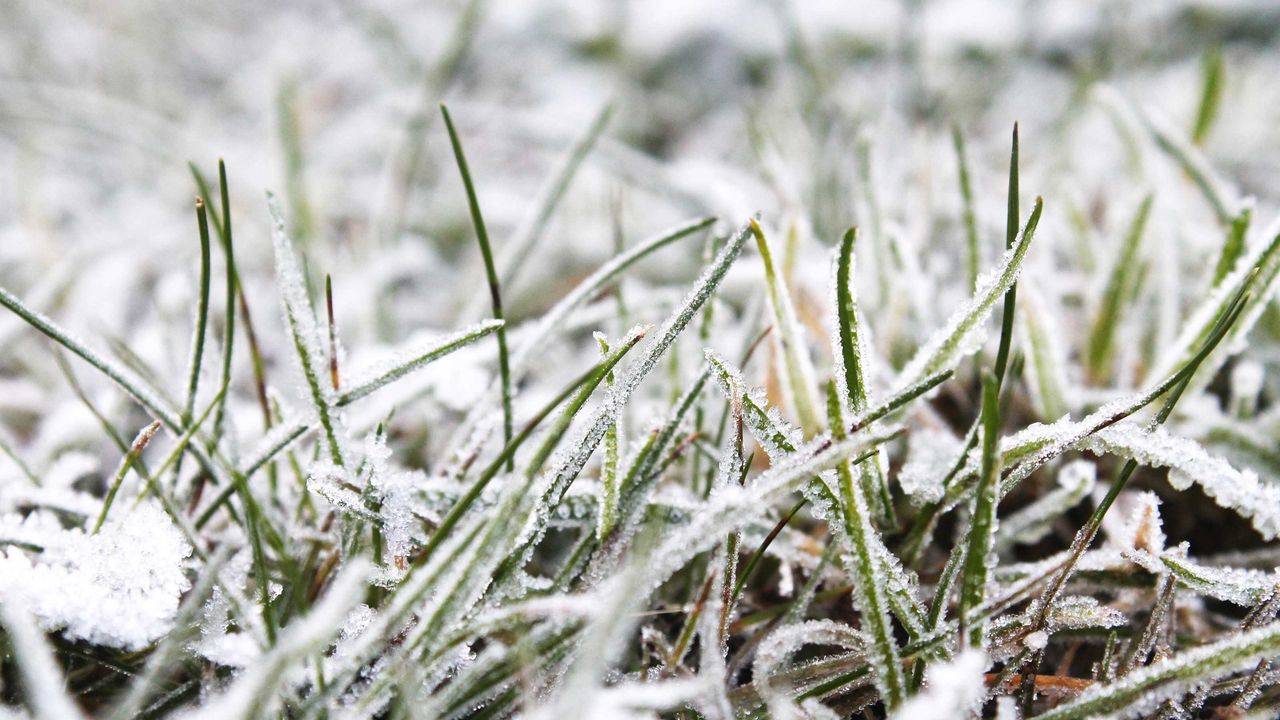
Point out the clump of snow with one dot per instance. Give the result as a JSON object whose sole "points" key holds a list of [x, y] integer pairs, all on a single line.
{"points": [[119, 588]]}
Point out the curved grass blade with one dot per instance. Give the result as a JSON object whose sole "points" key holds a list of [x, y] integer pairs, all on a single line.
{"points": [[797, 367], [950, 343], [1120, 284], [495, 292]]}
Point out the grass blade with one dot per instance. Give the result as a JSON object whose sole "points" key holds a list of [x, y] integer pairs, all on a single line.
{"points": [[1120, 285], [797, 367], [491, 274], [982, 526]]}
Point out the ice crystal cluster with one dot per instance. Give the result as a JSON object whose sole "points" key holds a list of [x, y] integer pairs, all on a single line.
{"points": [[593, 359]]}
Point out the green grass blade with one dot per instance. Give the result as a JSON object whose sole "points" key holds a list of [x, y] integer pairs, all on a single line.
{"points": [[870, 582], [851, 372], [301, 320], [1210, 96], [139, 444], [609, 478], [948, 345], [1120, 282], [797, 366], [421, 359], [973, 253], [495, 292], [973, 583], [1172, 677], [1010, 237]]}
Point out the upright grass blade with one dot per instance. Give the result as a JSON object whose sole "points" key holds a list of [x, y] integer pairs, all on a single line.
{"points": [[852, 374], [609, 478], [1210, 96], [301, 320], [973, 254], [232, 288], [495, 293], [139, 444], [982, 526], [1120, 285], [870, 582], [202, 316], [797, 367], [1010, 237]]}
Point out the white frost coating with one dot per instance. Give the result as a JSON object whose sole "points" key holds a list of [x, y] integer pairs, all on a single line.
{"points": [[1240, 586], [296, 304], [965, 330], [952, 690], [1246, 381], [302, 636], [45, 686], [119, 588], [775, 650], [414, 357], [1142, 690], [1239, 490], [1142, 528], [930, 456], [1036, 641]]}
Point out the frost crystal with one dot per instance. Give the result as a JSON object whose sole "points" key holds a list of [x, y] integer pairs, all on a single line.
{"points": [[932, 454], [119, 588], [952, 689], [1188, 463]]}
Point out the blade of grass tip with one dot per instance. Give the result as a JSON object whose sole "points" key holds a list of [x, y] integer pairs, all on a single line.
{"points": [[1210, 95], [300, 319], [609, 478], [974, 253], [491, 274], [871, 583], [1010, 237], [333, 333], [582, 387], [202, 316], [973, 585], [1087, 533], [852, 378], [45, 688], [1101, 341], [798, 368], [139, 444]]}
